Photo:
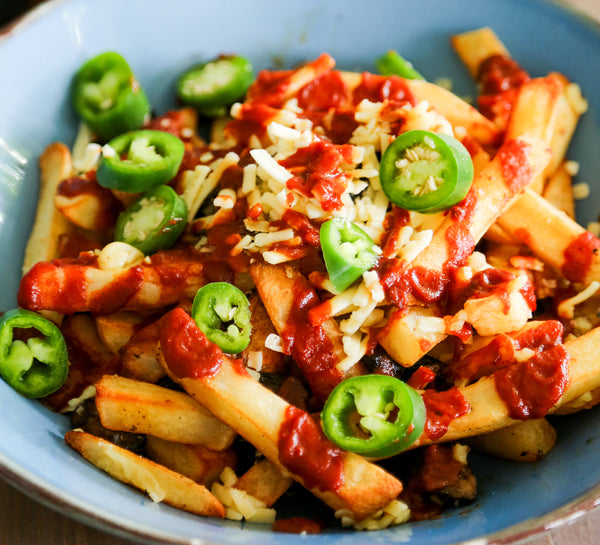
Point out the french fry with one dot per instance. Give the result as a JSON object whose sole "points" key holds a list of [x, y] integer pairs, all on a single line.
{"points": [[535, 113], [585, 401], [488, 412], [87, 204], [49, 224], [269, 360], [475, 46], [89, 359], [296, 79], [496, 314], [535, 110], [494, 194], [277, 286], [550, 234], [452, 107], [457, 111], [132, 406], [139, 356], [160, 483], [558, 191], [570, 107], [527, 441], [263, 418], [196, 462], [116, 329], [69, 286], [264, 481]]}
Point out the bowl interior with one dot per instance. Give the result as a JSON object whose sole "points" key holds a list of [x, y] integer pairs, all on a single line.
{"points": [[161, 39]]}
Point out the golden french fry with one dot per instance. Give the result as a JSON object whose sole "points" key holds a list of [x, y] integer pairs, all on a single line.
{"points": [[527, 441], [116, 329], [571, 106], [553, 237], [495, 189], [585, 401], [264, 481], [139, 356], [268, 422], [558, 191], [257, 355], [535, 112], [298, 78], [133, 406], [536, 109], [160, 483], [494, 194], [278, 286], [146, 285], [457, 111], [49, 224], [197, 462], [488, 412], [475, 46], [87, 204]]}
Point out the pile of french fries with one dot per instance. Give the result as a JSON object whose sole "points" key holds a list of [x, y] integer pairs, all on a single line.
{"points": [[190, 455]]}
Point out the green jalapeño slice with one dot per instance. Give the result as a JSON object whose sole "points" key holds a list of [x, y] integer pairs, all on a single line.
{"points": [[425, 171], [347, 250], [211, 87], [222, 312], [139, 160], [373, 415], [107, 96], [33, 353], [154, 221]]}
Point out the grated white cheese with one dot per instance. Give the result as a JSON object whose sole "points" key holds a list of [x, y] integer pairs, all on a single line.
{"points": [[226, 199], [275, 343], [239, 505], [270, 166], [566, 308], [395, 513]]}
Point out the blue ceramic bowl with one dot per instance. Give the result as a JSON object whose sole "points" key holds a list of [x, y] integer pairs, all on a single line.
{"points": [[160, 38]]}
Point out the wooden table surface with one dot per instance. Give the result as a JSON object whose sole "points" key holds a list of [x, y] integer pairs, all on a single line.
{"points": [[23, 521]]}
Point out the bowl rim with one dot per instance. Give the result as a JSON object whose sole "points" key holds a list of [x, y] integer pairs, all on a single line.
{"points": [[71, 507]]}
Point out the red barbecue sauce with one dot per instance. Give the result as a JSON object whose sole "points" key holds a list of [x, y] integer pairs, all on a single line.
{"points": [[578, 256], [187, 351], [530, 388], [326, 92], [500, 352], [421, 378], [485, 283], [305, 451], [317, 172], [308, 344], [108, 206], [515, 167], [442, 408], [500, 78], [252, 119], [174, 122], [273, 87], [62, 285], [376, 88]]}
